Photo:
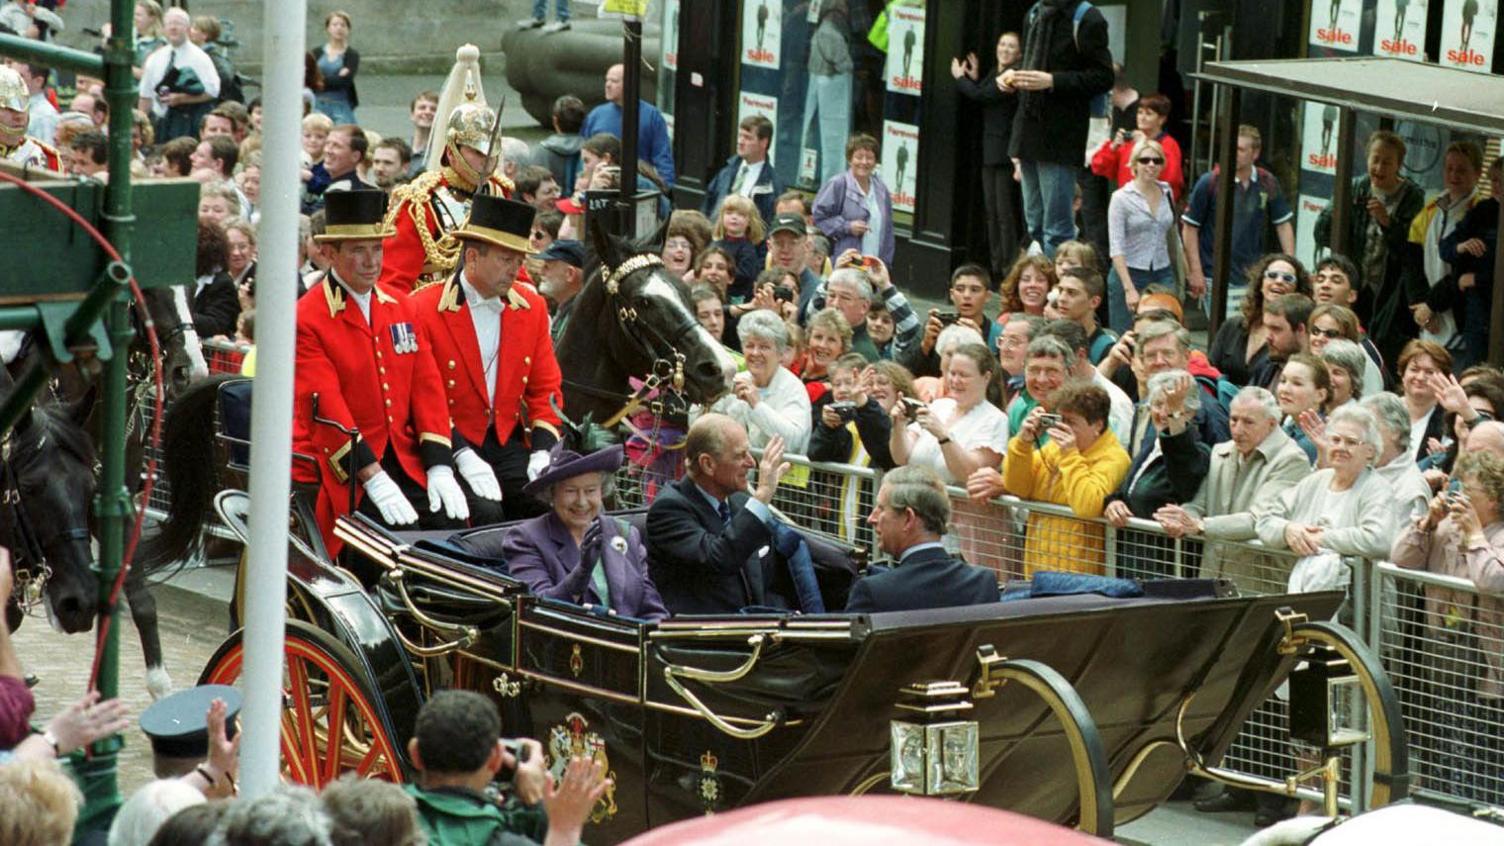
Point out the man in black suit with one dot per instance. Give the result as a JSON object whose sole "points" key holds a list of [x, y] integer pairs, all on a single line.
{"points": [[911, 513], [706, 537]]}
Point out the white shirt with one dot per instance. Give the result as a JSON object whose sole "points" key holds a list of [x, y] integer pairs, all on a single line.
{"points": [[983, 426], [1418, 432], [485, 314], [42, 119], [749, 182], [186, 55], [362, 301], [1120, 413]]}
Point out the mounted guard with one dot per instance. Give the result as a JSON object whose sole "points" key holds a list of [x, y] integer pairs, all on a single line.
{"points": [[16, 146], [462, 162]]}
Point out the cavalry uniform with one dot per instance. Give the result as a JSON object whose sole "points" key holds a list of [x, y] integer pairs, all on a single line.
{"points": [[16, 147], [427, 211], [496, 359], [371, 372]]}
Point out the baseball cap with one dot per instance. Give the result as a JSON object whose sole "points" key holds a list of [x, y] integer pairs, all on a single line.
{"points": [[788, 222], [568, 205], [568, 251]]}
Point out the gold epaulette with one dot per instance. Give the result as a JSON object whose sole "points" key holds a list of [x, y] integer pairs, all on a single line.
{"points": [[416, 191]]}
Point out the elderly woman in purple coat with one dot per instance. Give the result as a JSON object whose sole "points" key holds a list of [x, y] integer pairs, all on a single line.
{"points": [[575, 552], [854, 209]]}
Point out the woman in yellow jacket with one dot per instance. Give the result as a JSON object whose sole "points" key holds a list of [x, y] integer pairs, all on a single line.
{"points": [[1064, 472]]}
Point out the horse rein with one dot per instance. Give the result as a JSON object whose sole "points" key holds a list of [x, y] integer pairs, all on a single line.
{"points": [[30, 567]]}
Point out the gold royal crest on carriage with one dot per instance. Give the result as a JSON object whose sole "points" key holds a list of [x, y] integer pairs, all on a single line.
{"points": [[572, 739]]}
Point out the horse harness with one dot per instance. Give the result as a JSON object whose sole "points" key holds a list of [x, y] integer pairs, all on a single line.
{"points": [[30, 567], [667, 371]]}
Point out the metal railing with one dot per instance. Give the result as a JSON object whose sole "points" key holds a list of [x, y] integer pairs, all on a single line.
{"points": [[1452, 695]]}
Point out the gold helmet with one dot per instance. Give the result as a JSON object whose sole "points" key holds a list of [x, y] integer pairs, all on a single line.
{"points": [[13, 93], [471, 124]]}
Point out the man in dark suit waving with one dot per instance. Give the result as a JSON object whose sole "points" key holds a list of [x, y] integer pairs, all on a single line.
{"points": [[706, 537], [911, 513]]}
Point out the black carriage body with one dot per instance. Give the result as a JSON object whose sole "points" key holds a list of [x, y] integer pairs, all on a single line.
{"points": [[819, 692]]}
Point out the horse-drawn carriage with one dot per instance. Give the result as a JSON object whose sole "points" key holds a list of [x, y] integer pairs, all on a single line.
{"points": [[1112, 700]]}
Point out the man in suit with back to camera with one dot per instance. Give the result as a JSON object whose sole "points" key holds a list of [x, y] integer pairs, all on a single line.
{"points": [[707, 538], [910, 516]]}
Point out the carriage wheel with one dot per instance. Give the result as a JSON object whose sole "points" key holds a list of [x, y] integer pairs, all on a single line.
{"points": [[330, 725]]}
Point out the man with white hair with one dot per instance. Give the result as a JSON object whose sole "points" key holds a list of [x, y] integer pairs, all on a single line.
{"points": [[1487, 436], [851, 289], [178, 82], [1395, 462], [1247, 472]]}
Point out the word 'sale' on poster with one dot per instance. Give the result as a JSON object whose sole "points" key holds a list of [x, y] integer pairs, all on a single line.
{"points": [[1400, 29], [750, 104], [762, 33], [1467, 34], [900, 162], [1335, 24], [1318, 138]]}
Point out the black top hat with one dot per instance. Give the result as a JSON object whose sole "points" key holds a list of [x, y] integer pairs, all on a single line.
{"points": [[566, 464], [178, 724], [354, 216], [497, 220]]}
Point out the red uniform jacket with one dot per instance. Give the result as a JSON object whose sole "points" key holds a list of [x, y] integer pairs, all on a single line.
{"points": [[379, 378], [406, 258], [527, 373]]}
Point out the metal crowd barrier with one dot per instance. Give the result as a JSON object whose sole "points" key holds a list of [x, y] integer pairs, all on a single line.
{"points": [[1450, 676]]}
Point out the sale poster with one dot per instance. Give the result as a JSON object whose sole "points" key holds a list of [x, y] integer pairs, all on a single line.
{"points": [[671, 34], [905, 68], [900, 161], [1305, 227], [1467, 34], [1319, 138], [762, 28], [759, 104], [1335, 24], [1399, 29]]}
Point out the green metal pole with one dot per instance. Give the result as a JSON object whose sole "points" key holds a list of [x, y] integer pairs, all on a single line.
{"points": [[53, 55], [113, 506]]}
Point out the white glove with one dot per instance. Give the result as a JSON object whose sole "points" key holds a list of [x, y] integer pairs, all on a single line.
{"points": [[478, 474], [394, 507], [536, 464], [444, 493]]}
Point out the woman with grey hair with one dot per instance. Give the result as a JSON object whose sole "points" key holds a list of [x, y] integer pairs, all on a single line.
{"points": [[767, 398], [950, 339], [576, 552], [1170, 471], [1343, 508], [1395, 463], [1346, 365]]}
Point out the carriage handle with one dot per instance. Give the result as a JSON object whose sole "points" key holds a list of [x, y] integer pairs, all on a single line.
{"points": [[465, 635], [673, 672]]}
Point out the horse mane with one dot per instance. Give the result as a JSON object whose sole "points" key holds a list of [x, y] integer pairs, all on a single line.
{"points": [[50, 420]]}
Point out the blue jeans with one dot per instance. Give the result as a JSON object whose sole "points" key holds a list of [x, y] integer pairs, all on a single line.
{"points": [[828, 101], [1119, 315], [1049, 193], [561, 10], [336, 107]]}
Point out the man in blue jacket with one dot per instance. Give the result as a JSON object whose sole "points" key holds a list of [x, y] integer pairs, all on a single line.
{"points": [[911, 514], [653, 144], [748, 173]]}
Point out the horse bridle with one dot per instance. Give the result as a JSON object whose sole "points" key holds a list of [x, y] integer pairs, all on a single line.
{"points": [[30, 567], [667, 370]]}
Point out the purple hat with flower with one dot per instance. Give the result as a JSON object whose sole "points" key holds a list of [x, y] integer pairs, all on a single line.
{"points": [[566, 464]]}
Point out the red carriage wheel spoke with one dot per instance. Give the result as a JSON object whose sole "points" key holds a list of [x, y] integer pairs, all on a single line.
{"points": [[334, 733]]}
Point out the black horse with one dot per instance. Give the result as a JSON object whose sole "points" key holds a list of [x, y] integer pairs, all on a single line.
{"points": [[46, 488], [633, 318]]}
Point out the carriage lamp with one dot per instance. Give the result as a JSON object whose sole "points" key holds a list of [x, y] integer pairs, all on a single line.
{"points": [[934, 752], [1326, 701]]}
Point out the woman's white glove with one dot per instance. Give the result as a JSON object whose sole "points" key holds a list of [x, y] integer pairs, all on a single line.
{"points": [[478, 474], [444, 494], [536, 464], [394, 507]]}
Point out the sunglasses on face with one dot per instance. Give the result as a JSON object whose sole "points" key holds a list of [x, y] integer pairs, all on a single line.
{"points": [[1329, 334], [1150, 160], [1281, 276]]}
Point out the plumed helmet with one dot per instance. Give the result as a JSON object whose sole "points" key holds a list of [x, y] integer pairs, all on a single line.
{"points": [[13, 93], [470, 125]]}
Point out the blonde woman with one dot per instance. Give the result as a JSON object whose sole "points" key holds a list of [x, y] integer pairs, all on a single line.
{"points": [[1138, 220]]}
